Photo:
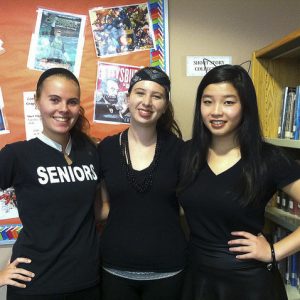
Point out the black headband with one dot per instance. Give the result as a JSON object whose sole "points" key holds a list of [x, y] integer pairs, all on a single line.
{"points": [[56, 71], [151, 74]]}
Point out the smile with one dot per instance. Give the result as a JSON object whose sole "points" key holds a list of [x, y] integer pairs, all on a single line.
{"points": [[61, 119]]}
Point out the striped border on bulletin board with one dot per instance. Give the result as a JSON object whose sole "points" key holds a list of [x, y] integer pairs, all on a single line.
{"points": [[159, 57]]}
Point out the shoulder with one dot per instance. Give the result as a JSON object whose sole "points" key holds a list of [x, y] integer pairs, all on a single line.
{"points": [[109, 142], [273, 154], [171, 139], [19, 146]]}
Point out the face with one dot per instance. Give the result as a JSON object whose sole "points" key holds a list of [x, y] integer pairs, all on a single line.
{"points": [[112, 89], [147, 102], [59, 105], [221, 109]]}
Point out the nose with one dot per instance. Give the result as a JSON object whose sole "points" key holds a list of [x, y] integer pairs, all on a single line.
{"points": [[63, 107], [217, 109], [147, 101]]}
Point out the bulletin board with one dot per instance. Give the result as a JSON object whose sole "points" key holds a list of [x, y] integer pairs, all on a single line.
{"points": [[18, 19], [17, 24]]}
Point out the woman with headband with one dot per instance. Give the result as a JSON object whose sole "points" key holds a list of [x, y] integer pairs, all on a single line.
{"points": [[55, 179], [143, 245]]}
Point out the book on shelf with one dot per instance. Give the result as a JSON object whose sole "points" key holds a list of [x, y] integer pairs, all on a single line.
{"points": [[287, 204], [286, 120], [296, 128], [289, 267]]}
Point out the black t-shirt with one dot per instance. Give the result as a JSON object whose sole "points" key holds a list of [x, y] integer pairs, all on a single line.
{"points": [[213, 210], [55, 205], [143, 231]]}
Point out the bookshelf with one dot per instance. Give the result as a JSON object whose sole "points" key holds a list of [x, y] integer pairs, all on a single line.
{"points": [[273, 67]]}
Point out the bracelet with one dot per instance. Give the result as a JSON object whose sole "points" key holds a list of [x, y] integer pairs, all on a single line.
{"points": [[273, 263]]}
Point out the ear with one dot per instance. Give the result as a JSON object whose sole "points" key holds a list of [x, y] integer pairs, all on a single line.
{"points": [[246, 65]]}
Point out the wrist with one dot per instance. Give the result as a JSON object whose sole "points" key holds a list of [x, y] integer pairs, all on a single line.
{"points": [[273, 263]]}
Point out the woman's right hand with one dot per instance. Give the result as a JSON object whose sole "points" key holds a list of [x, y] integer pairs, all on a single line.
{"points": [[11, 273]]}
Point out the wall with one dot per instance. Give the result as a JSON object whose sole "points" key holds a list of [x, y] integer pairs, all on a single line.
{"points": [[211, 27], [220, 28]]}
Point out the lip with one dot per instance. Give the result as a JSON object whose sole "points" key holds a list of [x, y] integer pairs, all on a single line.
{"points": [[145, 112], [217, 123], [61, 119]]}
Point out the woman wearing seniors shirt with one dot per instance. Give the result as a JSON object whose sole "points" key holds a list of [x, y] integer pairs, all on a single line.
{"points": [[55, 180]]}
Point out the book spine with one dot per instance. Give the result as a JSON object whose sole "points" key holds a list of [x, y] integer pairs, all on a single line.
{"points": [[297, 114], [290, 108], [283, 113]]}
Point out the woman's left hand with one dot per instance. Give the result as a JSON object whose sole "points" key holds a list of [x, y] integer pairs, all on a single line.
{"points": [[250, 246]]}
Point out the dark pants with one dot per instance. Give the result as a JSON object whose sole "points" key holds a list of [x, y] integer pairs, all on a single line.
{"points": [[118, 288], [87, 294]]}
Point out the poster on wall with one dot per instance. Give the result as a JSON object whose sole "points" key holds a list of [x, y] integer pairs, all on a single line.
{"points": [[10, 224], [33, 123], [110, 95], [3, 127], [121, 29], [57, 41]]}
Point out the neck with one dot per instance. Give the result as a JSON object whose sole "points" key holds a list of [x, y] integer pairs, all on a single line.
{"points": [[60, 139], [142, 135], [223, 145]]}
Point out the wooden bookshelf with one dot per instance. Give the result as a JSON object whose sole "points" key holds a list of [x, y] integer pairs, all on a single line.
{"points": [[274, 67], [282, 218]]}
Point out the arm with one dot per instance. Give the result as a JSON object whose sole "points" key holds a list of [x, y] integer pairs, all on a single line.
{"points": [[101, 203], [257, 247], [11, 273]]}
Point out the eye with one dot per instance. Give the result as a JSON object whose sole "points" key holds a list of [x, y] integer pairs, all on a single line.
{"points": [[157, 97], [54, 100], [230, 102], [206, 101], [73, 102]]}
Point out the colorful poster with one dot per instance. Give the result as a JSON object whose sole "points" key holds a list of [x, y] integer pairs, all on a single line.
{"points": [[3, 128], [121, 29], [57, 41], [111, 93], [33, 123], [10, 224]]}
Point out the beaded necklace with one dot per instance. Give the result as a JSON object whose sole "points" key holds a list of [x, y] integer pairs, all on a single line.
{"points": [[147, 181]]}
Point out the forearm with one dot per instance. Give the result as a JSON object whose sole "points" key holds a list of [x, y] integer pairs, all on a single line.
{"points": [[288, 245]]}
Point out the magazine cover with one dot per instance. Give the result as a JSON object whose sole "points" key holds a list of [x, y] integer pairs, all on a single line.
{"points": [[3, 128], [121, 29], [110, 95], [57, 41]]}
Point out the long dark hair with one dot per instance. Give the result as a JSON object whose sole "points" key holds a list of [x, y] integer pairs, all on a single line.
{"points": [[248, 134], [82, 125]]}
